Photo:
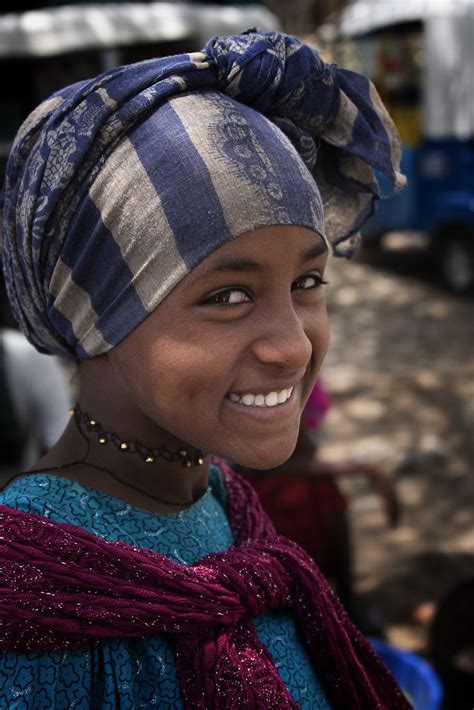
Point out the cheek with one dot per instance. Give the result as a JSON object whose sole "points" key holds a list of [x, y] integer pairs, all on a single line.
{"points": [[167, 375]]}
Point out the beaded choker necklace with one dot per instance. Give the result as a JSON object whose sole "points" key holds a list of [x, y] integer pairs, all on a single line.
{"points": [[187, 458]]}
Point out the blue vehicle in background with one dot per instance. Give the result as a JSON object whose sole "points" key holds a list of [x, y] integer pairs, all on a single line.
{"points": [[420, 55]]}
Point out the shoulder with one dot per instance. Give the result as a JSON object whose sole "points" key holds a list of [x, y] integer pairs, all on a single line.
{"points": [[44, 494]]}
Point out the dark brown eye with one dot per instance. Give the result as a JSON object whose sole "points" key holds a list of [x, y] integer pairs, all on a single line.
{"points": [[308, 281], [228, 297]]}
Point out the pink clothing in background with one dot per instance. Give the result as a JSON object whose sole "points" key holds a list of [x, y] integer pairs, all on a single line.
{"points": [[316, 406]]}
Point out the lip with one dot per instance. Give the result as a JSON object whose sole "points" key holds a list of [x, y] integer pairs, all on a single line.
{"points": [[266, 414]]}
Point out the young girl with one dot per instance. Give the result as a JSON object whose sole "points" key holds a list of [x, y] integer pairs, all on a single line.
{"points": [[163, 226]]}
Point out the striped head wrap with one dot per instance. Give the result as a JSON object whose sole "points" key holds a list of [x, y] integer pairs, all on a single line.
{"points": [[118, 186]]}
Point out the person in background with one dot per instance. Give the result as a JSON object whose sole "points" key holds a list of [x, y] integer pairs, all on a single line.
{"points": [[35, 398], [306, 503], [451, 644]]}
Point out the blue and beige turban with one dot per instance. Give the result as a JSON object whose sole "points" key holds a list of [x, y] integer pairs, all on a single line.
{"points": [[118, 186]]}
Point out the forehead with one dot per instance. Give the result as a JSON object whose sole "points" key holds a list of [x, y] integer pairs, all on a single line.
{"points": [[276, 246]]}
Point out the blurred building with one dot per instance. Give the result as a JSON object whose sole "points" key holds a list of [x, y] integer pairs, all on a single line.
{"points": [[46, 45]]}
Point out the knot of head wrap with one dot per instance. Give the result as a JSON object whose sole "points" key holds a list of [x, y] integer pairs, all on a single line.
{"points": [[81, 273], [334, 118]]}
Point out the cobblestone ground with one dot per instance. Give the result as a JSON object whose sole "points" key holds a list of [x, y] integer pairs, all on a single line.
{"points": [[401, 375]]}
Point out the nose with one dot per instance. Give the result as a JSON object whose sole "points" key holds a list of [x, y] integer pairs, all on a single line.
{"points": [[283, 340]]}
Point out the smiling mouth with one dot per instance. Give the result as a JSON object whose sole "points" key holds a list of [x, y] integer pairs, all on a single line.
{"points": [[271, 399]]}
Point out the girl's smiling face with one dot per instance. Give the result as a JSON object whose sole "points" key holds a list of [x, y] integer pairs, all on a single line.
{"points": [[226, 362]]}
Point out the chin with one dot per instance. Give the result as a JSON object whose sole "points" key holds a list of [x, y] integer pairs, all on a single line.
{"points": [[263, 460]]}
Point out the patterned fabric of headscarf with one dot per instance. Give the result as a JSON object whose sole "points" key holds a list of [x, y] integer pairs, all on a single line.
{"points": [[118, 186]]}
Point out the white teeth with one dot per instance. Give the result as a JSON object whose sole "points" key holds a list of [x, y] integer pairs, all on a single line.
{"points": [[271, 399], [248, 399], [262, 400]]}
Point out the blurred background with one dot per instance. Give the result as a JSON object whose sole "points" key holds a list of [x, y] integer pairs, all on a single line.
{"points": [[400, 372]]}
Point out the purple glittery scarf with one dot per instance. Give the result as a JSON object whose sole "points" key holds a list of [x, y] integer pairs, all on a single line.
{"points": [[62, 587]]}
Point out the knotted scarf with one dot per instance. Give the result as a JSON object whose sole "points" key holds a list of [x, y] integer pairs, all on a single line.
{"points": [[118, 186], [62, 587]]}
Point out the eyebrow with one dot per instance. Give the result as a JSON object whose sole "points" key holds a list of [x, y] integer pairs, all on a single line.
{"points": [[318, 250], [239, 264]]}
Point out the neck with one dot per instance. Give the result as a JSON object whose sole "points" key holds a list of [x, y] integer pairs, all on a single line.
{"points": [[88, 425], [123, 472]]}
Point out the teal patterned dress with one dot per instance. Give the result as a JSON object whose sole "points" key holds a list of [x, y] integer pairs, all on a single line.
{"points": [[127, 674]]}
